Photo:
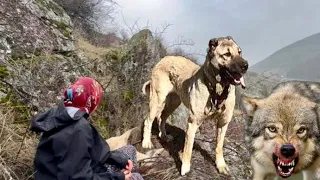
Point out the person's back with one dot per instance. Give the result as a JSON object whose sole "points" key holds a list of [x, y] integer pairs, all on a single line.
{"points": [[70, 147]]}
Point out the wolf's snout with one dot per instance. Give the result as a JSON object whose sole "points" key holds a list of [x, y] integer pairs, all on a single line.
{"points": [[287, 150]]}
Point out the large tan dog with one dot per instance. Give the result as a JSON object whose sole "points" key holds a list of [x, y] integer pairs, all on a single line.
{"points": [[207, 91], [283, 132]]}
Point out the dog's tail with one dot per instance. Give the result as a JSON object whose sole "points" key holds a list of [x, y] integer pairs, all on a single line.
{"points": [[146, 88]]}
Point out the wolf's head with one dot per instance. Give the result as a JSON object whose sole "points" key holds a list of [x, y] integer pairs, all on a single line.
{"points": [[282, 131], [225, 55]]}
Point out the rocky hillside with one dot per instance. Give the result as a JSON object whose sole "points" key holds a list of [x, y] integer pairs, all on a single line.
{"points": [[299, 60], [34, 28], [36, 56], [41, 53]]}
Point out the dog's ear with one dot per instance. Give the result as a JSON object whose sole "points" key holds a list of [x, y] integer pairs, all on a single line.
{"points": [[213, 43], [250, 105], [229, 37]]}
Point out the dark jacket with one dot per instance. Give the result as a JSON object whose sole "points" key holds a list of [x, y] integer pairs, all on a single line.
{"points": [[72, 149]]}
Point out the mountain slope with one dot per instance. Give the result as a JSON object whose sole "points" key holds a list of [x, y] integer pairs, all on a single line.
{"points": [[298, 60], [306, 70]]}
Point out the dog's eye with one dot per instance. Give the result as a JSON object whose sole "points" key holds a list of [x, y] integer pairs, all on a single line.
{"points": [[227, 54], [272, 129], [239, 51], [301, 130]]}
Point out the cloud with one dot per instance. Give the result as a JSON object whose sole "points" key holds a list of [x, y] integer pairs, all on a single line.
{"points": [[156, 12], [259, 27]]}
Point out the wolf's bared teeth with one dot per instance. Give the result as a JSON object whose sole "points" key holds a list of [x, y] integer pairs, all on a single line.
{"points": [[290, 170], [279, 168], [283, 163]]}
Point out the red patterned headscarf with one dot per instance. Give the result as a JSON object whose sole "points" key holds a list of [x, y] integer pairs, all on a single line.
{"points": [[84, 94]]}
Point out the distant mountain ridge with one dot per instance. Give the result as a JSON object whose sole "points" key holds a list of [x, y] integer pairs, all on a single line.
{"points": [[299, 60]]}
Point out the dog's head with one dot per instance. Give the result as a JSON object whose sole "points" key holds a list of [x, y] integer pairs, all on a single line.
{"points": [[225, 55], [282, 131]]}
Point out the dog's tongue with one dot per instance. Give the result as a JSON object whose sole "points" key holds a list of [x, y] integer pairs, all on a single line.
{"points": [[241, 81]]}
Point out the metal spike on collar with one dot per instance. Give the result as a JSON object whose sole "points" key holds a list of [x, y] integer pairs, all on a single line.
{"points": [[219, 89], [218, 77]]}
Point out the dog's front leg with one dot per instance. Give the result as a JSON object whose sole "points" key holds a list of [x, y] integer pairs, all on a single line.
{"points": [[188, 146], [222, 127]]}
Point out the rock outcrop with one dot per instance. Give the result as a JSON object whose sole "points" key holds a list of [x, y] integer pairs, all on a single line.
{"points": [[33, 27], [36, 51]]}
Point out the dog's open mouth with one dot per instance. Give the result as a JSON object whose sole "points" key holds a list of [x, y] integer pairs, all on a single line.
{"points": [[237, 79], [284, 167], [240, 81]]}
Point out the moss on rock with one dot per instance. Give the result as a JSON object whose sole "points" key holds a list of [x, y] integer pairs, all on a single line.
{"points": [[128, 95], [21, 112], [116, 56], [99, 120], [46, 5], [3, 71]]}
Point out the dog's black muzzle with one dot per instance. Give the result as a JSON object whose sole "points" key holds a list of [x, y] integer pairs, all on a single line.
{"points": [[236, 68], [238, 65]]}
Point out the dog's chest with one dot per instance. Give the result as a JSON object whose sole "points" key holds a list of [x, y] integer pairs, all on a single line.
{"points": [[202, 102]]}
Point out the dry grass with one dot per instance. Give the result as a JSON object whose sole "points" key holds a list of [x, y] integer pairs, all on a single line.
{"points": [[91, 51], [17, 148]]}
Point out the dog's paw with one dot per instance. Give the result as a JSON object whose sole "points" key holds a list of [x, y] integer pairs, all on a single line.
{"points": [[185, 168], [147, 144], [222, 167]]}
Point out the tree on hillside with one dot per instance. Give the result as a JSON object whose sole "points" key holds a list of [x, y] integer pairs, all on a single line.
{"points": [[90, 17], [178, 51], [89, 12]]}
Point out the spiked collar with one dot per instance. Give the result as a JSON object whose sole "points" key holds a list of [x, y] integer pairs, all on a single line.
{"points": [[217, 85]]}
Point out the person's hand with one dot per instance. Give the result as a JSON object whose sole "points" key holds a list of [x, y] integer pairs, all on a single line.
{"points": [[129, 166], [127, 174]]}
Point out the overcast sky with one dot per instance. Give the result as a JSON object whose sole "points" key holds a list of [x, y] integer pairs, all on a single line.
{"points": [[260, 27]]}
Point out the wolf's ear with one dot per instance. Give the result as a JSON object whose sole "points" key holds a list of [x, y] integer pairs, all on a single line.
{"points": [[250, 105], [213, 43]]}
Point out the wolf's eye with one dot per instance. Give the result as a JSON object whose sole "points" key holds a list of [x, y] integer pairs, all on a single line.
{"points": [[272, 129], [301, 130], [227, 54]]}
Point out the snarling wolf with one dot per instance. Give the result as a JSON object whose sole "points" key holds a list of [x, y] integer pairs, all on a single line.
{"points": [[207, 91], [282, 131]]}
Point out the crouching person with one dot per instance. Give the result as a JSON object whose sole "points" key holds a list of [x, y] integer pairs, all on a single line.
{"points": [[70, 148]]}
